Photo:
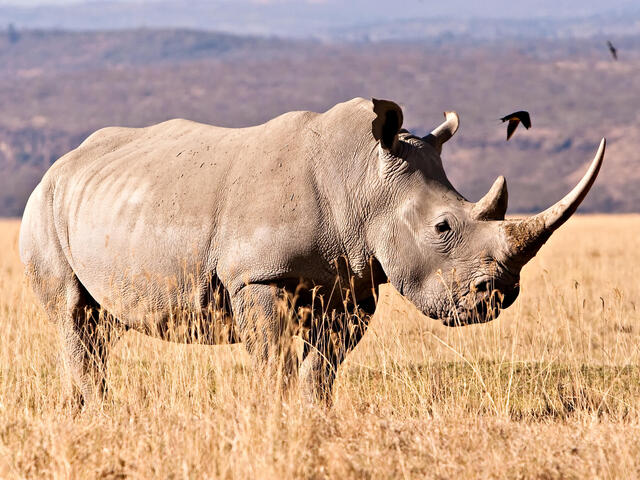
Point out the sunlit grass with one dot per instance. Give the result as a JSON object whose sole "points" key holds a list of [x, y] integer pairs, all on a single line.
{"points": [[551, 389]]}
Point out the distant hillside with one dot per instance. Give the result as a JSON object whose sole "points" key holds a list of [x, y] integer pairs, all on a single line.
{"points": [[499, 29], [57, 87], [71, 51]]}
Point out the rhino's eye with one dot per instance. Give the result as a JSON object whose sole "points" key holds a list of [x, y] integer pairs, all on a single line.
{"points": [[443, 227]]}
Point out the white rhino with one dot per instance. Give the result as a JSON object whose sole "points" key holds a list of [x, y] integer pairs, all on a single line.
{"points": [[189, 226]]}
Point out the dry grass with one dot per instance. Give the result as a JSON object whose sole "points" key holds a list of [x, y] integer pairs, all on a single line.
{"points": [[550, 390]]}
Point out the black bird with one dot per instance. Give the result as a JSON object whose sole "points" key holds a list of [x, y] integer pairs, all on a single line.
{"points": [[514, 119], [612, 49]]}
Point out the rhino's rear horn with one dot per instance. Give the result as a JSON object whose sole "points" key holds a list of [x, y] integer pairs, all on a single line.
{"points": [[493, 206], [444, 131]]}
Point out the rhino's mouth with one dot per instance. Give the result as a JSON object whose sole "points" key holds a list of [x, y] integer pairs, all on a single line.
{"points": [[480, 307]]}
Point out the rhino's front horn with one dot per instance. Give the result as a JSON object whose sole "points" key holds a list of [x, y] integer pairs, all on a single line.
{"points": [[444, 131], [527, 236], [493, 205]]}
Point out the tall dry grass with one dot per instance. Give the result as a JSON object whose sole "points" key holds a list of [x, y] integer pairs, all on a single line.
{"points": [[549, 390]]}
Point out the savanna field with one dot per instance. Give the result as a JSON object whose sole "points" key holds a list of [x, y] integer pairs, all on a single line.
{"points": [[549, 390]]}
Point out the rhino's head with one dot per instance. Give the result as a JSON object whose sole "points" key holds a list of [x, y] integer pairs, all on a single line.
{"points": [[456, 261]]}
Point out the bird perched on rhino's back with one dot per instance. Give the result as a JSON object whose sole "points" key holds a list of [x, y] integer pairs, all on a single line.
{"points": [[514, 120]]}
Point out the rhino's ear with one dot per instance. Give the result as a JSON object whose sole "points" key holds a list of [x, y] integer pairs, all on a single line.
{"points": [[387, 124]]}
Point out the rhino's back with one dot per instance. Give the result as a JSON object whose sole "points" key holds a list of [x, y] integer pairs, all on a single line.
{"points": [[145, 215]]}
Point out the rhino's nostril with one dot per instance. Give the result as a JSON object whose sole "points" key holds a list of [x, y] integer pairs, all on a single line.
{"points": [[483, 285]]}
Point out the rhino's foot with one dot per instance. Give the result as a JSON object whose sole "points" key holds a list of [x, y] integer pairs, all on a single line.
{"points": [[316, 379]]}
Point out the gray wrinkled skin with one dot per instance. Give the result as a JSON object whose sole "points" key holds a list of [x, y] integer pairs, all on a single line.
{"points": [[139, 225]]}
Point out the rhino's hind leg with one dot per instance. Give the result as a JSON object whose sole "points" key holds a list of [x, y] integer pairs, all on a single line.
{"points": [[87, 334]]}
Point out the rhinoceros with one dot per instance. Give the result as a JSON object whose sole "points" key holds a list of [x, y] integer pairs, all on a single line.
{"points": [[260, 234]]}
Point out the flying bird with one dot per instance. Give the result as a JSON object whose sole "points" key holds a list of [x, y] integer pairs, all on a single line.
{"points": [[514, 119], [613, 50]]}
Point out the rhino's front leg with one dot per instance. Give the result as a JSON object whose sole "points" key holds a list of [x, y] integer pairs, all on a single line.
{"points": [[330, 340], [264, 322]]}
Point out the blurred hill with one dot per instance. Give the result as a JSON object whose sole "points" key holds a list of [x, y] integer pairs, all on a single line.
{"points": [[56, 87]]}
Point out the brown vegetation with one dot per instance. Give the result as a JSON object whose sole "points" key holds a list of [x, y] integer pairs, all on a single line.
{"points": [[549, 390]]}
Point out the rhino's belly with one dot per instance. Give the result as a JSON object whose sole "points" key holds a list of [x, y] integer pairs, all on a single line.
{"points": [[181, 304]]}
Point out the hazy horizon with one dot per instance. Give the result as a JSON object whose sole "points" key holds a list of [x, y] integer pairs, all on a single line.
{"points": [[296, 18], [464, 8]]}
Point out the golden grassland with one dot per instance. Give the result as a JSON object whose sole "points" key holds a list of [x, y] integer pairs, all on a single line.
{"points": [[549, 390]]}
